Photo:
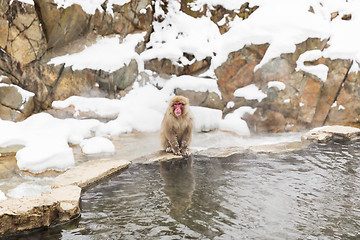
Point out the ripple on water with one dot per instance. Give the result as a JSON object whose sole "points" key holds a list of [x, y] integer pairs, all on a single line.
{"points": [[309, 194]]}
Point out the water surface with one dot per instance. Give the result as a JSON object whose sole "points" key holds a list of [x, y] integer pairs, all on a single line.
{"points": [[310, 194]]}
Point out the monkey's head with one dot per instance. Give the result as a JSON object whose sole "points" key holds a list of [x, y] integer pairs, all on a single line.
{"points": [[179, 105]]}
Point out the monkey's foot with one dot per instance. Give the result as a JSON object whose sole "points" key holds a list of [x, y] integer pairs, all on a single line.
{"points": [[168, 150]]}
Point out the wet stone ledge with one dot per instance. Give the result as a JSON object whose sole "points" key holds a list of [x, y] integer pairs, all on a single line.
{"points": [[327, 133], [61, 204]]}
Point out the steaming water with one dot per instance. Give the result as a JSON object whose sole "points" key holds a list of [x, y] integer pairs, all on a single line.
{"points": [[310, 194]]}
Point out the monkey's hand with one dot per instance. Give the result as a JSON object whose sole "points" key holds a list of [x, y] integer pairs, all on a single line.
{"points": [[177, 152], [175, 147], [185, 152]]}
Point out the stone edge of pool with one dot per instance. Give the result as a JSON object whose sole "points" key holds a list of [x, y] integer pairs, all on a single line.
{"points": [[62, 203]]}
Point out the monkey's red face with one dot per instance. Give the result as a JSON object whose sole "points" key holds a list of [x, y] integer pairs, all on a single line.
{"points": [[178, 108]]}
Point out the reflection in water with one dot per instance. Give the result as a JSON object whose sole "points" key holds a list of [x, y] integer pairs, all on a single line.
{"points": [[179, 184], [309, 194]]}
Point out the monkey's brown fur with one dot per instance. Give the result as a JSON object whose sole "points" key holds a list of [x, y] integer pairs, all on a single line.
{"points": [[176, 131]]}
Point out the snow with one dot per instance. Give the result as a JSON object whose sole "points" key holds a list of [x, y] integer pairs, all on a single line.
{"points": [[28, 189], [277, 84], [250, 92], [31, 2], [233, 122], [97, 145], [206, 119], [2, 196], [230, 104], [90, 6], [319, 70], [45, 140], [108, 54], [103, 107], [197, 84]]}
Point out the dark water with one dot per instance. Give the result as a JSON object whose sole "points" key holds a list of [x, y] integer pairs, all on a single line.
{"points": [[310, 194]]}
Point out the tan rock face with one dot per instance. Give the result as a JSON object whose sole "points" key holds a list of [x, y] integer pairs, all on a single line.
{"points": [[13, 105], [346, 110], [238, 70], [336, 76], [310, 98], [61, 26], [21, 33]]}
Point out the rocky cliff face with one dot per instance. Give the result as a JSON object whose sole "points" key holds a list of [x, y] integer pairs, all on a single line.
{"points": [[30, 35]]}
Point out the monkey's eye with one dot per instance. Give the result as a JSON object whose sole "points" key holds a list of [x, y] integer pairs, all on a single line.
{"points": [[178, 104]]}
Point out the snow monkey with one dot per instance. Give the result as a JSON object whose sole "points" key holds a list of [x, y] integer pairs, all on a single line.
{"points": [[177, 126]]}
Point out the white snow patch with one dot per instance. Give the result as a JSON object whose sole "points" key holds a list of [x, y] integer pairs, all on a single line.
{"points": [[45, 140], [230, 104], [31, 2], [28, 189], [97, 145], [2, 196], [341, 107], [233, 122], [108, 54], [334, 104], [90, 6], [319, 70], [277, 84], [103, 107], [250, 92], [206, 119], [187, 82]]}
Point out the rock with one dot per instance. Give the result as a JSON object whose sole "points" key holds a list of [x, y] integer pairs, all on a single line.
{"points": [[15, 103], [89, 172], [21, 33], [203, 99], [338, 70], [323, 134], [165, 66], [346, 109], [120, 79], [269, 121], [58, 23], [238, 70], [28, 213], [309, 99], [127, 18]]}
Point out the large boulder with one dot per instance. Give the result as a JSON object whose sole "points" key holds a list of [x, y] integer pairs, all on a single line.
{"points": [[15, 103], [21, 34], [61, 26], [238, 70], [346, 109]]}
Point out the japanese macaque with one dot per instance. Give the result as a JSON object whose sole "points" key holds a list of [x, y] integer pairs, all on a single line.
{"points": [[177, 126]]}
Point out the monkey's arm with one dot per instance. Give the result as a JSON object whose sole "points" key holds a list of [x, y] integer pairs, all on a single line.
{"points": [[173, 141], [185, 141]]}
